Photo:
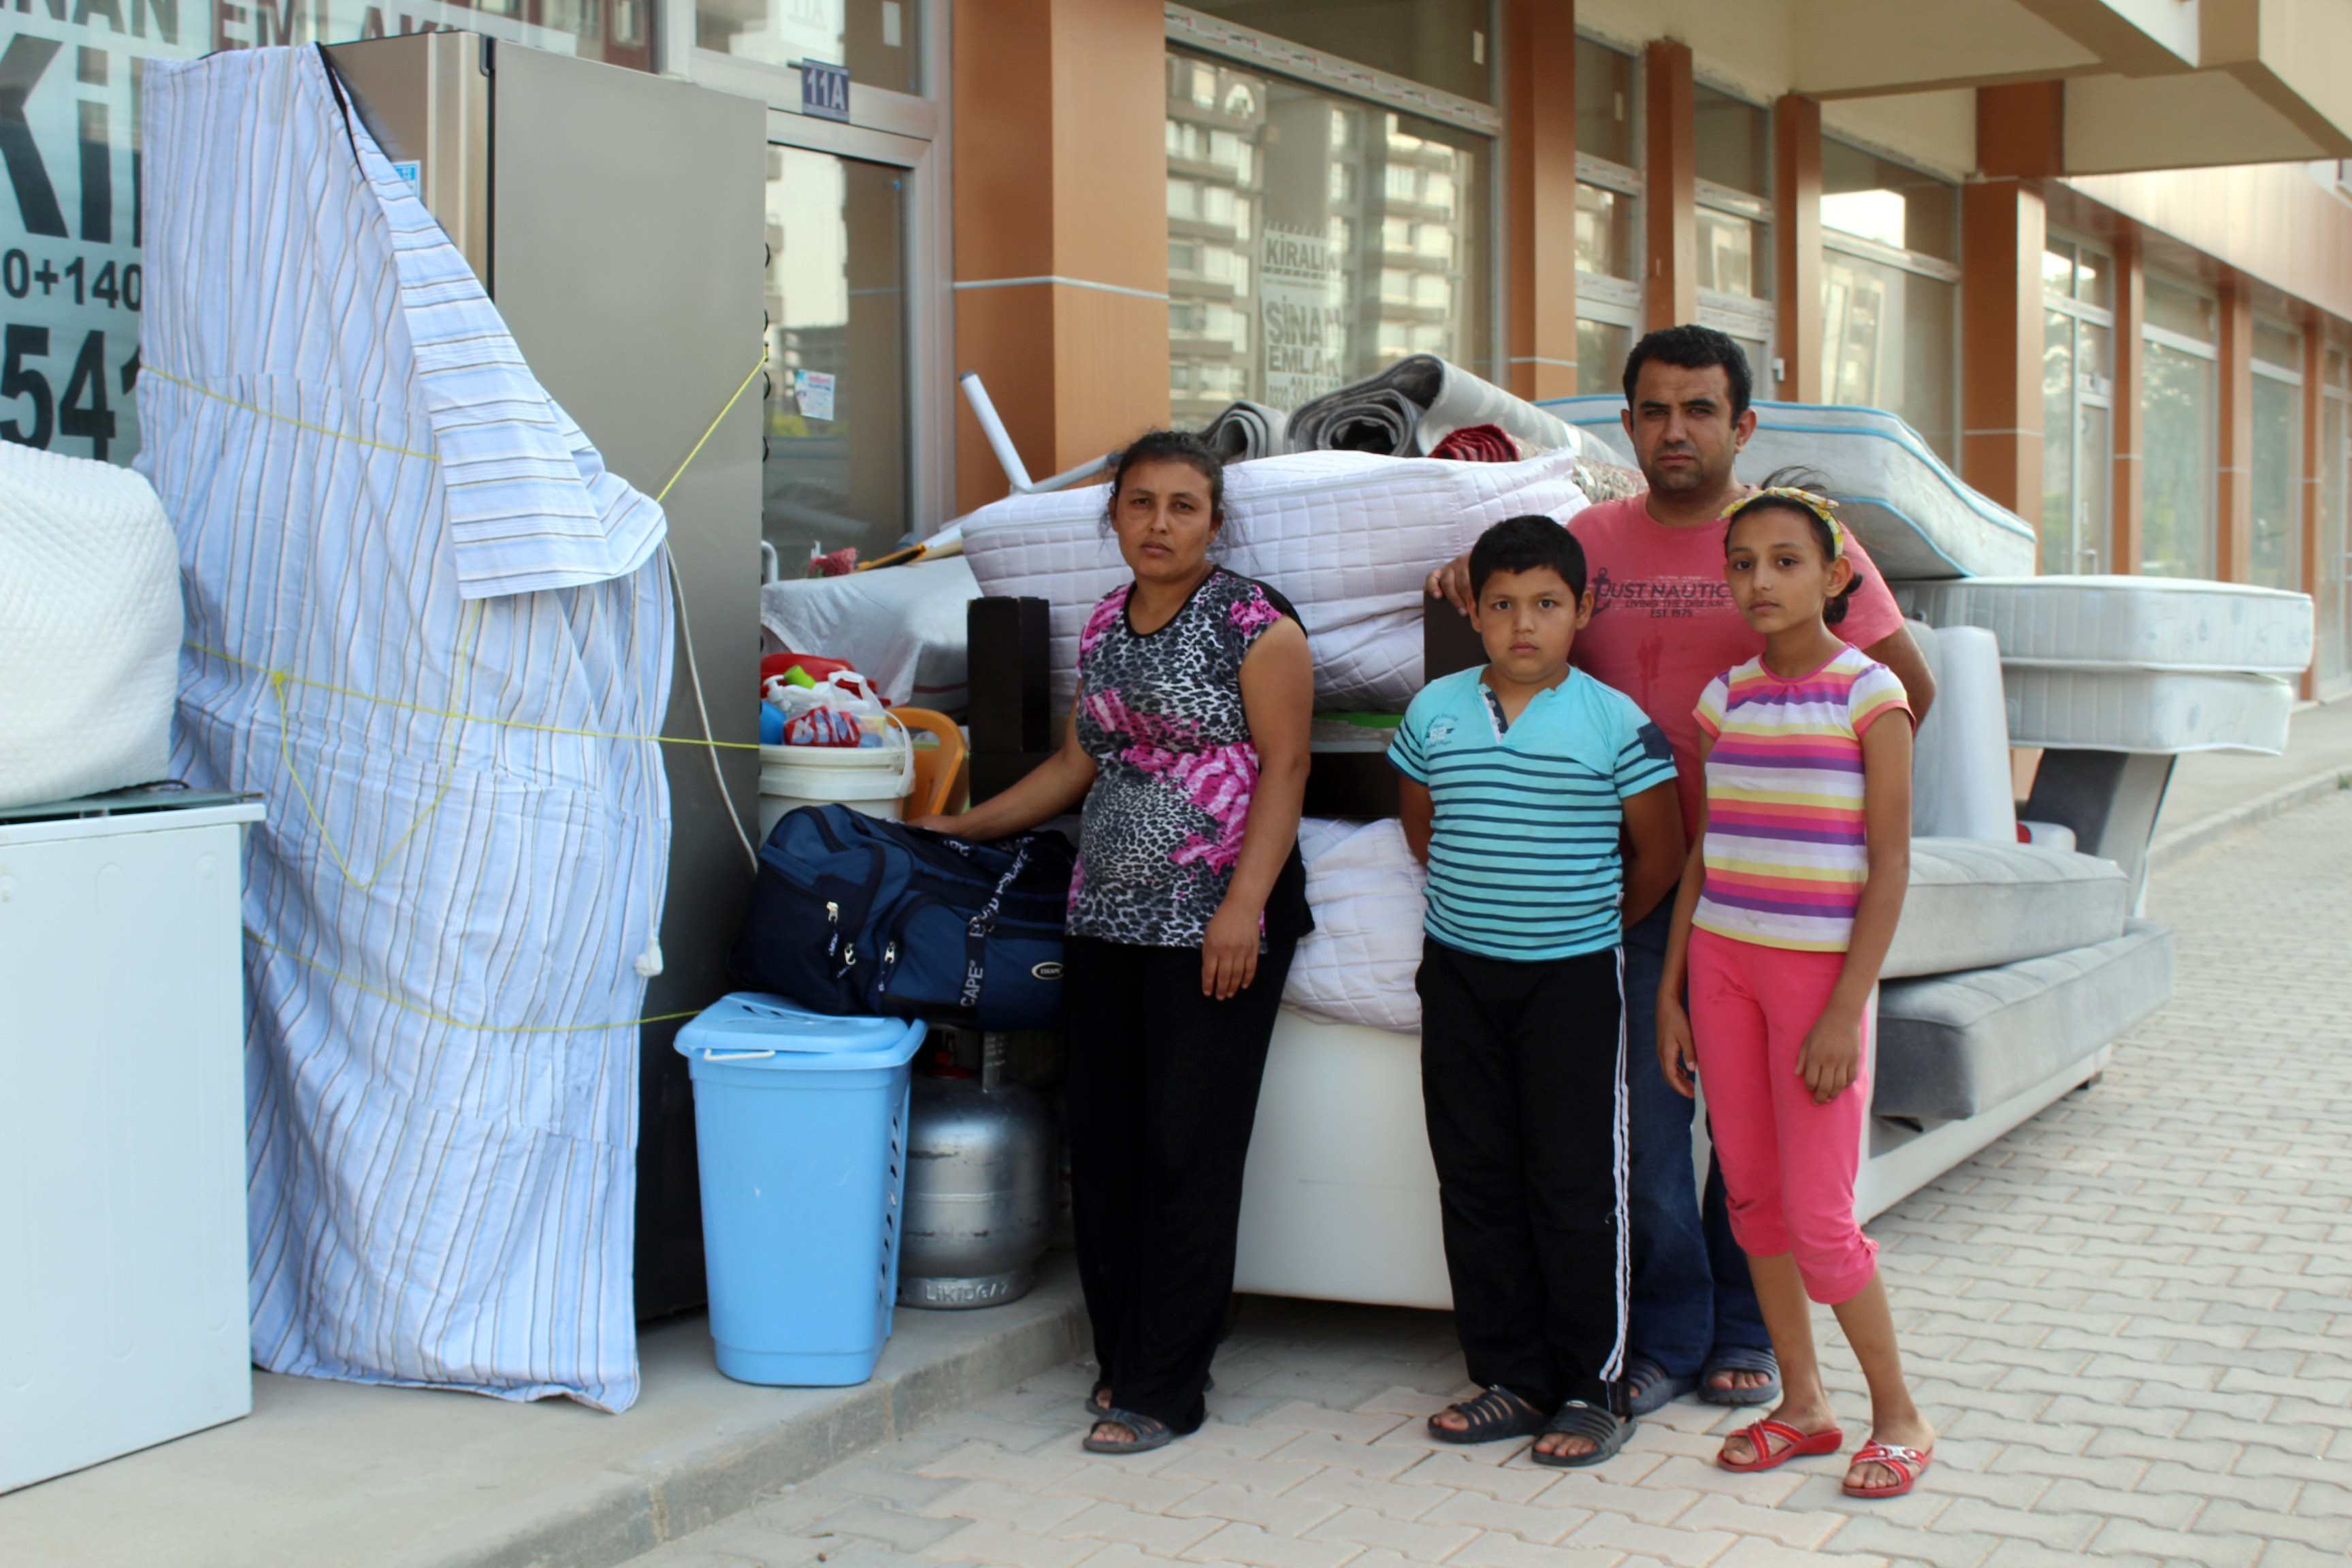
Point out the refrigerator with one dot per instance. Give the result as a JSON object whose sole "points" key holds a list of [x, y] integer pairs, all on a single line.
{"points": [[617, 220]]}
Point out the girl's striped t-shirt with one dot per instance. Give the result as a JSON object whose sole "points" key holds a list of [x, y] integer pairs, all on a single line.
{"points": [[1786, 856]]}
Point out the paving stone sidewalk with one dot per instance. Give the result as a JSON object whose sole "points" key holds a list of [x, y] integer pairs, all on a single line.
{"points": [[2131, 1319]]}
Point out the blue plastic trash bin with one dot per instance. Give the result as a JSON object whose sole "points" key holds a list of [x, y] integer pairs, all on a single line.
{"points": [[800, 1122]]}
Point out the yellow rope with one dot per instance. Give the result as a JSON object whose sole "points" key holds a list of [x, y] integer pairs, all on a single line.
{"points": [[426, 1012], [285, 418], [289, 678], [664, 491]]}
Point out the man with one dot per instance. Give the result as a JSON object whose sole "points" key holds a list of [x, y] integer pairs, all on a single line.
{"points": [[1663, 625]]}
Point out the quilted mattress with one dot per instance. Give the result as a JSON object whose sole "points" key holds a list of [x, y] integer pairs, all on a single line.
{"points": [[1914, 515], [2135, 623], [2156, 711], [1954, 1045], [90, 627], [1348, 537], [1356, 965]]}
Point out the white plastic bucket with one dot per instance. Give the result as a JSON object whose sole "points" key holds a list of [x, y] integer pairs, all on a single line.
{"points": [[872, 779]]}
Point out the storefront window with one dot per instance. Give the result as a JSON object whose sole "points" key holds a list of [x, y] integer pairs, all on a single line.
{"points": [[1605, 232], [1604, 104], [1441, 43], [2177, 414], [2333, 661], [1733, 142], [2277, 476], [1890, 291], [1881, 201], [1732, 253], [1600, 351], [1886, 342], [2077, 405], [835, 465], [1608, 216], [1337, 236], [878, 39]]}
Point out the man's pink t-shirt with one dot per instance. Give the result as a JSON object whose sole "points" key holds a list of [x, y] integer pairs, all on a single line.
{"points": [[1664, 624]]}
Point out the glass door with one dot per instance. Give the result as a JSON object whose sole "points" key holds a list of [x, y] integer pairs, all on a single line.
{"points": [[835, 469]]}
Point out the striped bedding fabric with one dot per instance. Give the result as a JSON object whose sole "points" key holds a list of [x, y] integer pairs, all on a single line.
{"points": [[397, 551]]}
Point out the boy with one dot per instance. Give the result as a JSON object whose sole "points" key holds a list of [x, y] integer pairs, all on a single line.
{"points": [[1519, 779]]}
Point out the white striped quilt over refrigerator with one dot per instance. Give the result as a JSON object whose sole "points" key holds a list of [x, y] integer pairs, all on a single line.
{"points": [[434, 631]]}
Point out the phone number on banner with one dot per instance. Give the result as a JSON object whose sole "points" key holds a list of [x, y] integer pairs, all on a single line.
{"points": [[61, 385]]}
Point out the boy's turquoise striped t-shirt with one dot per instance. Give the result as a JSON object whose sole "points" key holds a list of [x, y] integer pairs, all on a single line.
{"points": [[1523, 852]]}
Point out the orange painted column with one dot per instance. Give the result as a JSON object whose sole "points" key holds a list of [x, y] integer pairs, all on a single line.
{"points": [[1797, 245], [2234, 506], [2126, 509], [1539, 225], [2000, 332], [1670, 295], [1061, 228], [2314, 434]]}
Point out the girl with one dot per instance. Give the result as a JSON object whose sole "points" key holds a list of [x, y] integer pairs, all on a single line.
{"points": [[1787, 907], [1187, 744]]}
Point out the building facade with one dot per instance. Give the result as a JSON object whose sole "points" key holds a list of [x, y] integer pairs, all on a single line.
{"points": [[2099, 252]]}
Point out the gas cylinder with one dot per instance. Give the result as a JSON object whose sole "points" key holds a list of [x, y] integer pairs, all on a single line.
{"points": [[979, 1206]]}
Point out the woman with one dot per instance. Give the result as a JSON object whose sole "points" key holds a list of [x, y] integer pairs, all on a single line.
{"points": [[1187, 744]]}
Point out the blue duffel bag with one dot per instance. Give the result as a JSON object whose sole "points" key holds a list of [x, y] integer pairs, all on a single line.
{"points": [[852, 914]]}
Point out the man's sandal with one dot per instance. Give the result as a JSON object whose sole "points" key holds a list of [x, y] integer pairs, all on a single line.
{"points": [[1910, 1464], [1605, 1430], [1148, 1433], [1741, 1358], [1794, 1444], [1491, 1417], [1099, 1402], [1649, 1386]]}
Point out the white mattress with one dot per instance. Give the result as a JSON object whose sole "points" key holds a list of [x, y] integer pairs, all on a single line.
{"points": [[1357, 966], [2138, 623], [903, 627], [90, 627], [1914, 515], [2156, 710], [1348, 537]]}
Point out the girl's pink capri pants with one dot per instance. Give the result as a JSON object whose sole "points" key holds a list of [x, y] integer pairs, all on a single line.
{"points": [[1788, 1164]]}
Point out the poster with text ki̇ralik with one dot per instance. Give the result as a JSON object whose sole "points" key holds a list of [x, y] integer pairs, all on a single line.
{"points": [[71, 276]]}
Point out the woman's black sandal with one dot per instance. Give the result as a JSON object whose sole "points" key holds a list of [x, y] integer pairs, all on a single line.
{"points": [[1492, 1416], [1147, 1434], [1605, 1431], [1099, 1402]]}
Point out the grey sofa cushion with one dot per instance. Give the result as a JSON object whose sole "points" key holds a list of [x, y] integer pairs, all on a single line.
{"points": [[1977, 904], [1953, 1045]]}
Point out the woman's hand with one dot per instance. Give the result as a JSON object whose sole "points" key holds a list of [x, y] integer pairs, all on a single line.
{"points": [[1677, 1052], [940, 822], [1831, 1058], [1229, 949]]}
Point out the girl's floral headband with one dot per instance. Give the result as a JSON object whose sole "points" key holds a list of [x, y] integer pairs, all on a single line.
{"points": [[1820, 506]]}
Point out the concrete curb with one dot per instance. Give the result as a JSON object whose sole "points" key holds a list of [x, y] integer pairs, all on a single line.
{"points": [[674, 1494], [2172, 847]]}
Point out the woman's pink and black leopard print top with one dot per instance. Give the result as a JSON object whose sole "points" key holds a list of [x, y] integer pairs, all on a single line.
{"points": [[1175, 768]]}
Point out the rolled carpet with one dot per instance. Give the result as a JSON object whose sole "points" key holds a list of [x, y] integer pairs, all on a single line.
{"points": [[1412, 406], [1245, 432]]}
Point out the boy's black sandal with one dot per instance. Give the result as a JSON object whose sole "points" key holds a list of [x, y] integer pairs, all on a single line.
{"points": [[1740, 1358], [1150, 1433], [1650, 1386], [1605, 1431], [1492, 1416]]}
